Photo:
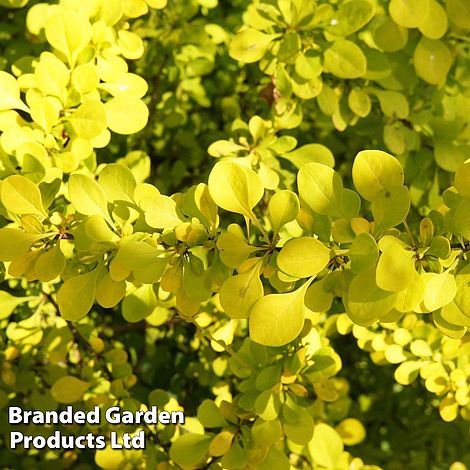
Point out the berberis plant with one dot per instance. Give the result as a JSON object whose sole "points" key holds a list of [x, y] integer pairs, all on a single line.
{"points": [[306, 299]]}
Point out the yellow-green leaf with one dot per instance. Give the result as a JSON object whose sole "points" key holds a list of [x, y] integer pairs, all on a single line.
{"points": [[127, 83], [10, 93], [407, 372], [459, 12], [277, 319], [109, 458], [326, 446], [303, 257], [69, 32], [283, 207], [373, 171], [434, 24], [89, 120], [408, 13], [157, 3], [109, 292], [221, 443], [365, 301], [160, 211], [440, 290], [390, 36], [98, 230], [321, 188], [76, 296], [345, 59], [233, 249], [8, 303], [189, 450], [462, 180], [363, 252], [239, 293], [316, 153], [50, 264], [235, 188], [15, 243], [395, 269], [350, 17], [432, 60], [139, 304], [68, 389], [20, 195], [87, 196], [390, 207], [359, 102], [410, 298], [317, 298], [45, 113], [208, 413], [126, 114], [250, 45], [85, 77], [352, 431], [51, 75], [131, 44], [118, 182]]}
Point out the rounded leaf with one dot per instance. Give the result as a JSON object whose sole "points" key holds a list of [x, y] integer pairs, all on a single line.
{"points": [[374, 170], [326, 446], [68, 389], [15, 243], [189, 450], [303, 257], [235, 188], [50, 264], [365, 301], [239, 293], [345, 59], [277, 319], [89, 120], [321, 188], [10, 93], [434, 24], [208, 413], [283, 207], [87, 196], [250, 45], [395, 269], [363, 252], [408, 13], [440, 290], [352, 431], [76, 296], [432, 60], [459, 12], [109, 292], [126, 114], [69, 32], [20, 195]]}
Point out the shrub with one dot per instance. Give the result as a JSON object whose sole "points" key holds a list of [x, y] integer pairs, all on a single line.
{"points": [[254, 212]]}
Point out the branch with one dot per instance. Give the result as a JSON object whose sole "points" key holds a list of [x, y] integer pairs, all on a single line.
{"points": [[459, 246]]}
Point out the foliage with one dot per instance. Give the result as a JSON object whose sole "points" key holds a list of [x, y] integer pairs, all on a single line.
{"points": [[306, 299]]}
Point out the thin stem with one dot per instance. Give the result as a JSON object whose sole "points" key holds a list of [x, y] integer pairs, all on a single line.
{"points": [[461, 246], [208, 336], [258, 225], [408, 231]]}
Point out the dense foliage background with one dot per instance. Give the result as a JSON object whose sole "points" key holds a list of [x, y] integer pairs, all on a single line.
{"points": [[257, 212]]}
